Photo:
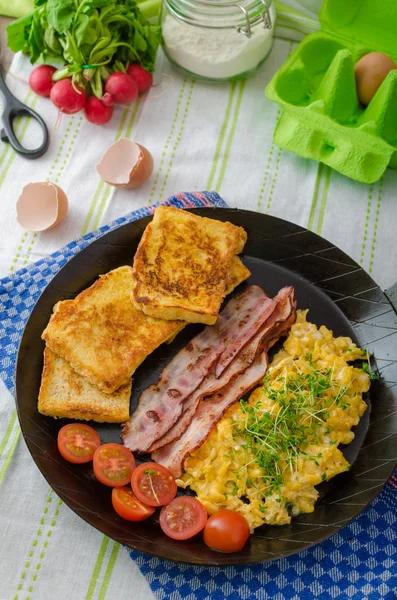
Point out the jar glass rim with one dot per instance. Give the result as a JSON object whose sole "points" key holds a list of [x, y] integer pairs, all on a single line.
{"points": [[222, 14]]}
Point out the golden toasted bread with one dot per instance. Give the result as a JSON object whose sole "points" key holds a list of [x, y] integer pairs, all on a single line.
{"points": [[104, 337], [101, 333], [182, 265], [239, 273], [65, 394]]}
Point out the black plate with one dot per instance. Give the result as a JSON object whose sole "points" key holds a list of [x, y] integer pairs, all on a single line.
{"points": [[339, 295]]}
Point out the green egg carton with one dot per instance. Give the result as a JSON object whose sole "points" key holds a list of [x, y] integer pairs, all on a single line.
{"points": [[322, 117]]}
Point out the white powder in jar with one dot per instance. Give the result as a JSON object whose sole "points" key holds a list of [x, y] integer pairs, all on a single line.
{"points": [[216, 53]]}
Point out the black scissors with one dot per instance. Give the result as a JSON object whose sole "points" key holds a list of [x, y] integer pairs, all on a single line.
{"points": [[12, 109]]}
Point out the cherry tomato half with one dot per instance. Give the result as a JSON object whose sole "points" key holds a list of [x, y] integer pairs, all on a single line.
{"points": [[226, 531], [128, 506], [153, 484], [77, 442], [182, 518], [113, 464]]}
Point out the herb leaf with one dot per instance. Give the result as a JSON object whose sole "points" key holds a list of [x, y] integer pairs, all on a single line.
{"points": [[368, 370], [60, 14]]}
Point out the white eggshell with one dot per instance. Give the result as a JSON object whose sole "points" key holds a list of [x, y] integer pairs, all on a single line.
{"points": [[41, 205], [125, 164]]}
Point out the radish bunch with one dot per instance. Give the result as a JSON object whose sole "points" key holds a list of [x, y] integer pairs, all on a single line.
{"points": [[70, 97], [95, 42]]}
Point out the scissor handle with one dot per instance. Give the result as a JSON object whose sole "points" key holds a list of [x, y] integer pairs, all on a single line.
{"points": [[14, 108]]}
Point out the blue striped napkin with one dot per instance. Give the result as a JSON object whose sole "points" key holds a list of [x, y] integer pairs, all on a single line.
{"points": [[360, 562]]}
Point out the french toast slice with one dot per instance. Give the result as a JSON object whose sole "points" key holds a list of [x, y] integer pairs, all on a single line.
{"points": [[65, 394], [102, 334], [183, 264], [238, 274]]}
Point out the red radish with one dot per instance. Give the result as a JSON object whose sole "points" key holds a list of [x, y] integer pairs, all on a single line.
{"points": [[40, 80], [97, 112], [121, 87], [68, 98], [107, 99], [142, 78]]}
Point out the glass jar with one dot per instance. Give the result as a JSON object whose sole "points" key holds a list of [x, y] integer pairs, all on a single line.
{"points": [[217, 40]]}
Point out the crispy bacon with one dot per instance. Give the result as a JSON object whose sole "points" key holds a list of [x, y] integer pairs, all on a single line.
{"points": [[272, 328], [208, 413], [242, 335], [211, 409], [208, 386], [161, 404]]}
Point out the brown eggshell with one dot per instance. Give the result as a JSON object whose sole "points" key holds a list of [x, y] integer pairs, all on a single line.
{"points": [[370, 72], [125, 164], [41, 206]]}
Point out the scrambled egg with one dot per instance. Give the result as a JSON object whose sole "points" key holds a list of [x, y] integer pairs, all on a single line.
{"points": [[265, 457]]}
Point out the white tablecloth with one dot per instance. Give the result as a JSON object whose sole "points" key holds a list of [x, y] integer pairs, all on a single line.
{"points": [[201, 137]]}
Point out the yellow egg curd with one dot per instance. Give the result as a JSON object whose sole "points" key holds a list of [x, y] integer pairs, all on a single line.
{"points": [[266, 455]]}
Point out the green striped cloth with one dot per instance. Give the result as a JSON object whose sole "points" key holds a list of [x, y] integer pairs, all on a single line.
{"points": [[47, 551]]}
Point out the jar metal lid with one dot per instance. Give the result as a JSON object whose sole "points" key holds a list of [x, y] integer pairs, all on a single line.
{"points": [[185, 10]]}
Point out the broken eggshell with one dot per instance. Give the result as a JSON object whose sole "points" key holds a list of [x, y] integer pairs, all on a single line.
{"points": [[125, 164], [41, 206]]}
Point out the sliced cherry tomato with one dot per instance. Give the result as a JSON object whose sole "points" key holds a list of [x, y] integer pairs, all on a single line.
{"points": [[77, 442], [113, 464], [127, 505], [182, 518], [153, 484], [226, 531]]}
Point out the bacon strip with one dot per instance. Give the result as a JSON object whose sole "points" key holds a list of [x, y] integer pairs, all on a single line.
{"points": [[208, 413], [211, 384], [160, 404], [211, 409], [242, 336], [208, 386]]}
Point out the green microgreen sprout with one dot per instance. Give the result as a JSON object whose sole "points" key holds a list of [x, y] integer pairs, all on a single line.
{"points": [[234, 491], [151, 472], [368, 369], [276, 438]]}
